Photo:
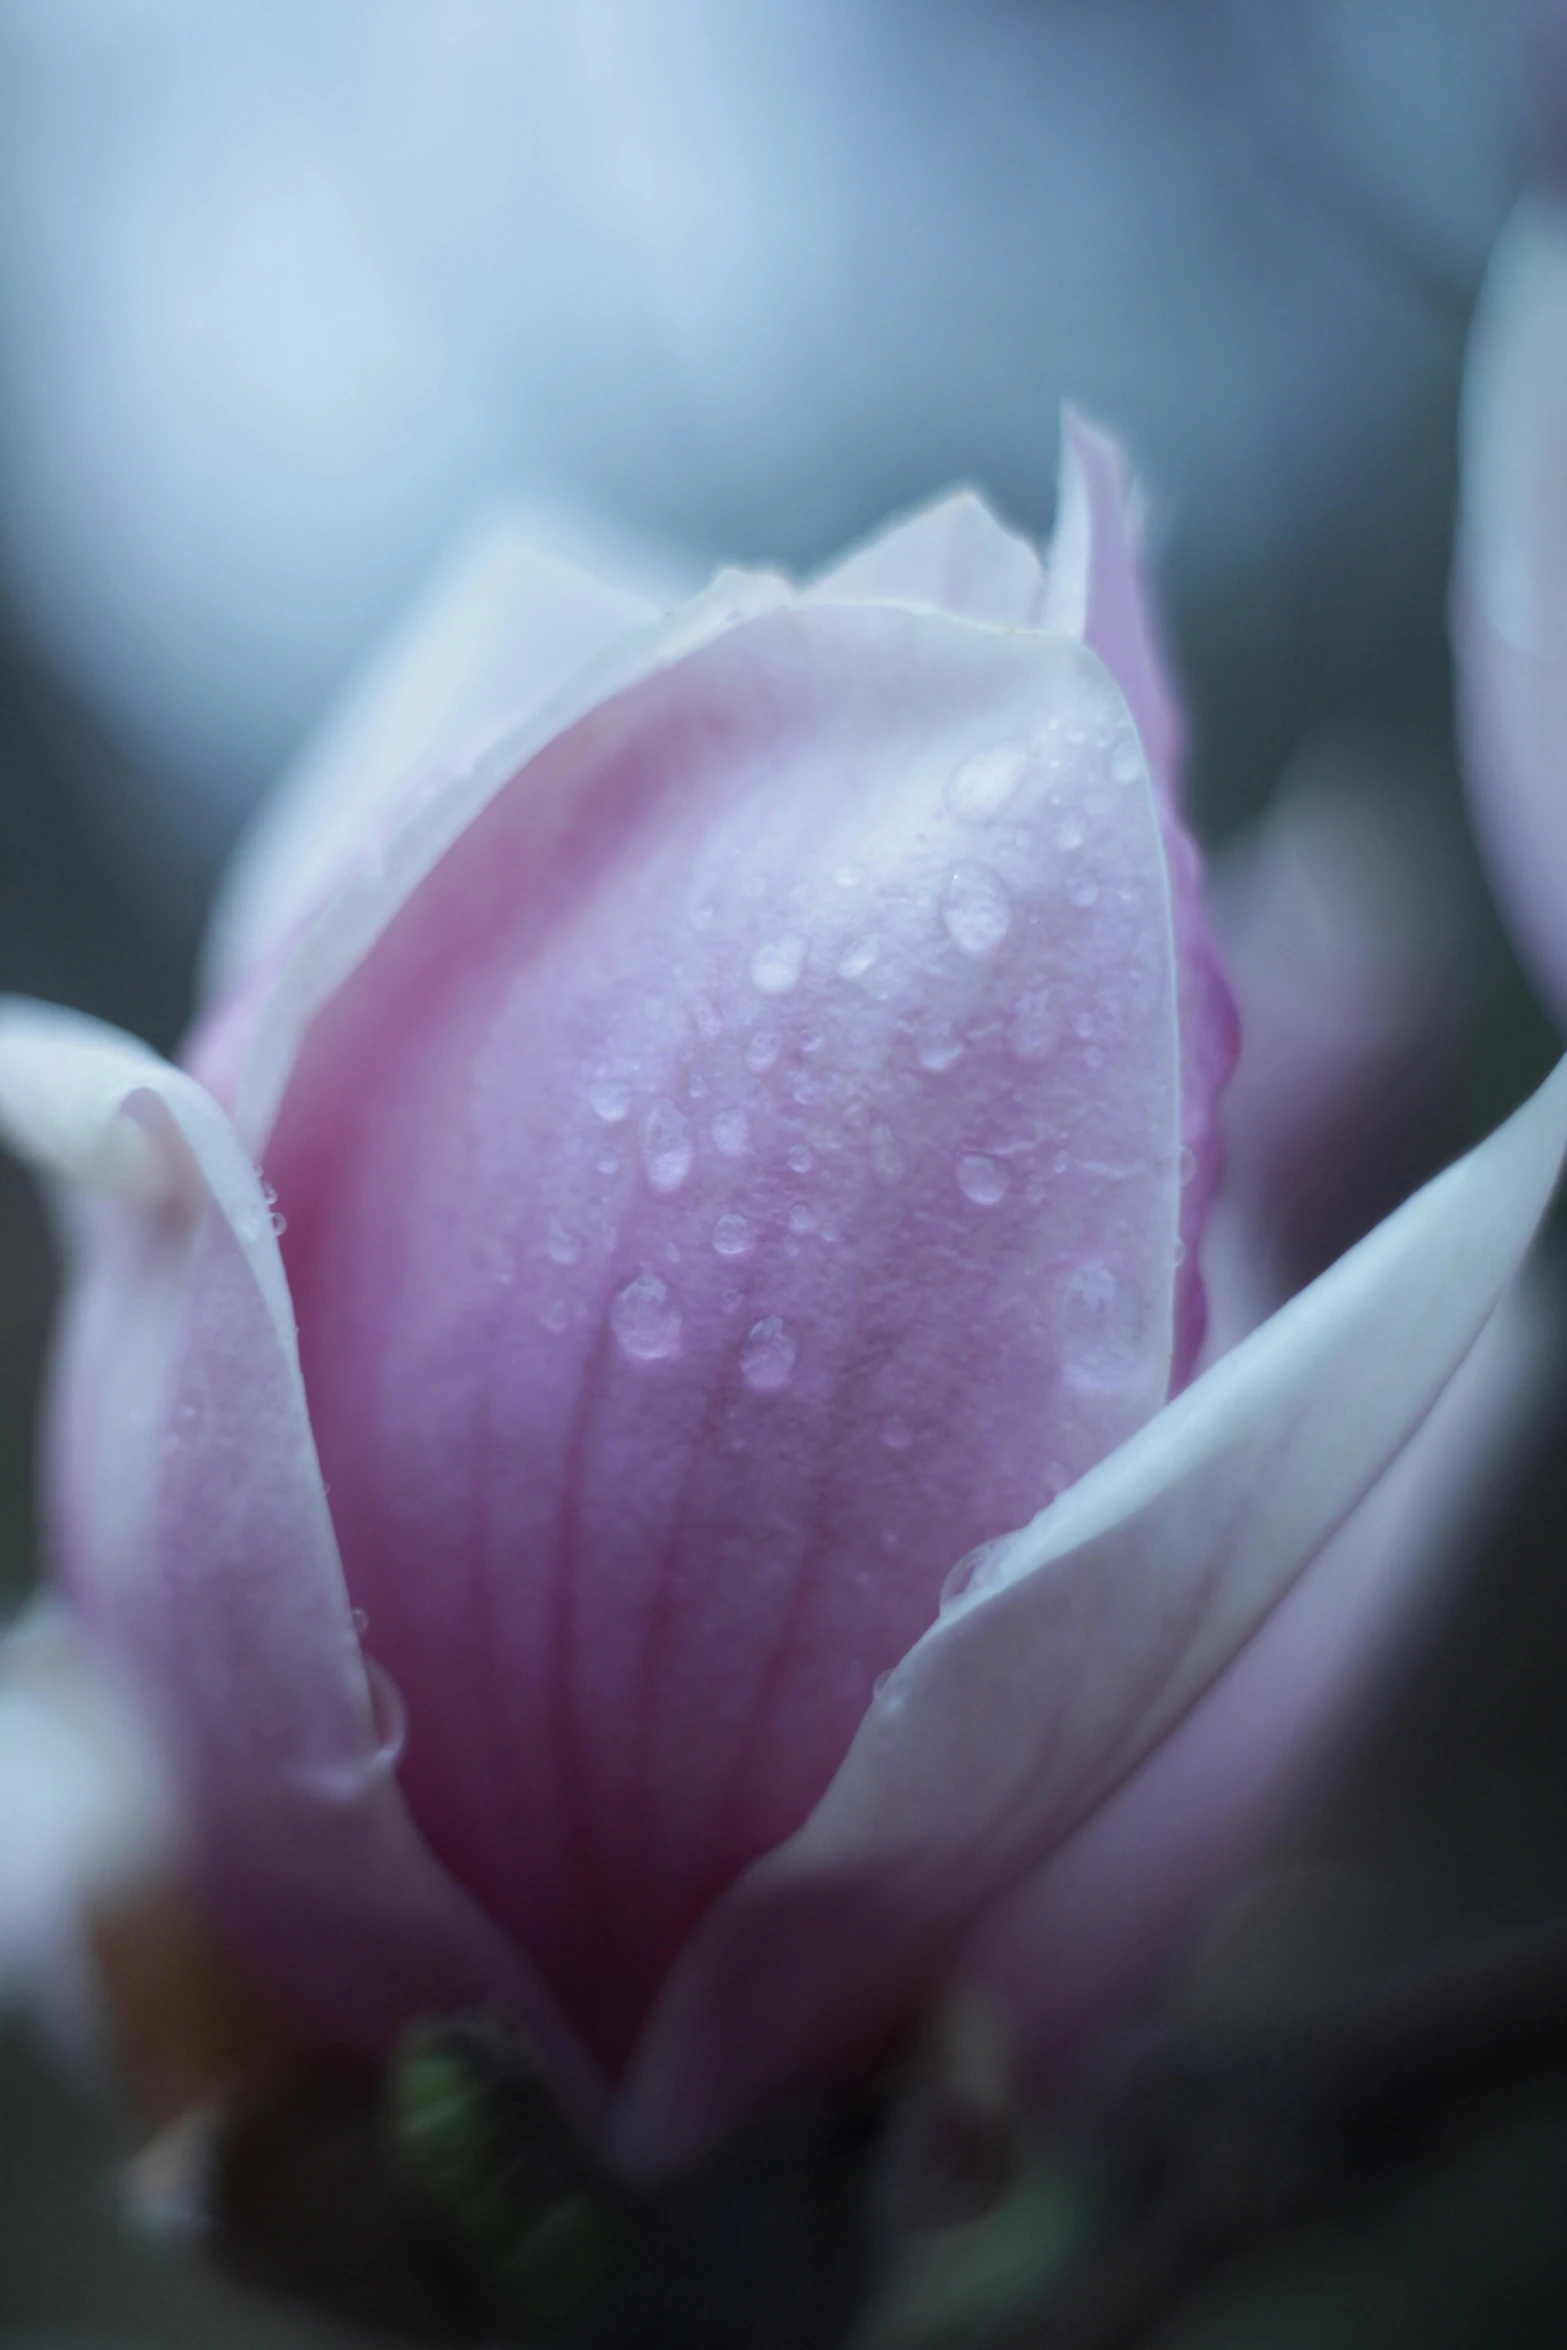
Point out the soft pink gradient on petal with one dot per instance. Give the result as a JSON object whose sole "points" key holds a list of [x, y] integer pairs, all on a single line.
{"points": [[1097, 591], [1070, 1948], [1084, 1642], [1509, 612], [706, 1230], [192, 1529]]}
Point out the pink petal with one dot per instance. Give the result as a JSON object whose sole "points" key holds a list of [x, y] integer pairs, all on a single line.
{"points": [[191, 1523], [1081, 1644], [1510, 587], [741, 1178], [1097, 592], [1070, 1947]]}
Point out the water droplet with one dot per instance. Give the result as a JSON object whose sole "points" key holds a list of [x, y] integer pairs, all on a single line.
{"points": [[608, 1164], [389, 1715], [777, 964], [980, 788], [763, 1050], [802, 1218], [708, 1023], [967, 1579], [267, 1192], [611, 1099], [1036, 1026], [1101, 1326], [983, 1180], [976, 909], [734, 1236], [1081, 891], [278, 1222], [896, 1434], [767, 1357], [801, 1158], [666, 1146], [1071, 832], [731, 1132], [887, 1154], [1126, 760], [1186, 1164], [562, 1247], [645, 1321], [556, 1315], [1180, 1252], [856, 959], [1083, 1024], [1093, 1058], [361, 1620], [938, 1048], [847, 876], [732, 1300]]}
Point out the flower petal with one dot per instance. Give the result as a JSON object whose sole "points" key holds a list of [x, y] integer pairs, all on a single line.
{"points": [[713, 1210], [953, 556], [1086, 1638], [498, 631], [1097, 593], [192, 1525], [1072, 1945], [245, 1049], [1510, 585], [84, 1811]]}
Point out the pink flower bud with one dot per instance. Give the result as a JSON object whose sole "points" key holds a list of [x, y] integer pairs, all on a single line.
{"points": [[735, 1093]]}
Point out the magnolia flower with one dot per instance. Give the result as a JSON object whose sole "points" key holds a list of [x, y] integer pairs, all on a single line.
{"points": [[729, 1102], [1510, 586]]}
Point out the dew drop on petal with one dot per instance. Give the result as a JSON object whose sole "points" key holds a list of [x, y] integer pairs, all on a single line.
{"points": [[767, 1357], [734, 1236], [887, 1154], [1102, 1319], [856, 959], [939, 1048], [611, 1099], [561, 1246], [801, 1218], [731, 1132], [975, 909], [896, 1434], [278, 1222], [1186, 1165], [763, 1050], [801, 1159], [555, 1315], [1036, 1026], [967, 1578], [777, 964], [1126, 760], [666, 1146], [389, 1715], [1071, 832], [980, 787], [645, 1320], [981, 1179], [1081, 891]]}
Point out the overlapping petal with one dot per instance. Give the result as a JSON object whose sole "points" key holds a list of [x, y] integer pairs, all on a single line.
{"points": [[193, 1531], [1082, 1640], [777, 1166], [1510, 586]]}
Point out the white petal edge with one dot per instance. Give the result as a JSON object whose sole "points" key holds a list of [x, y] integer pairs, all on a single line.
{"points": [[1094, 1630], [1513, 434], [951, 556], [500, 628], [385, 875], [316, 1750]]}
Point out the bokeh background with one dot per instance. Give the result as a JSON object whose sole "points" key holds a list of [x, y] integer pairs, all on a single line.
{"points": [[292, 290]]}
